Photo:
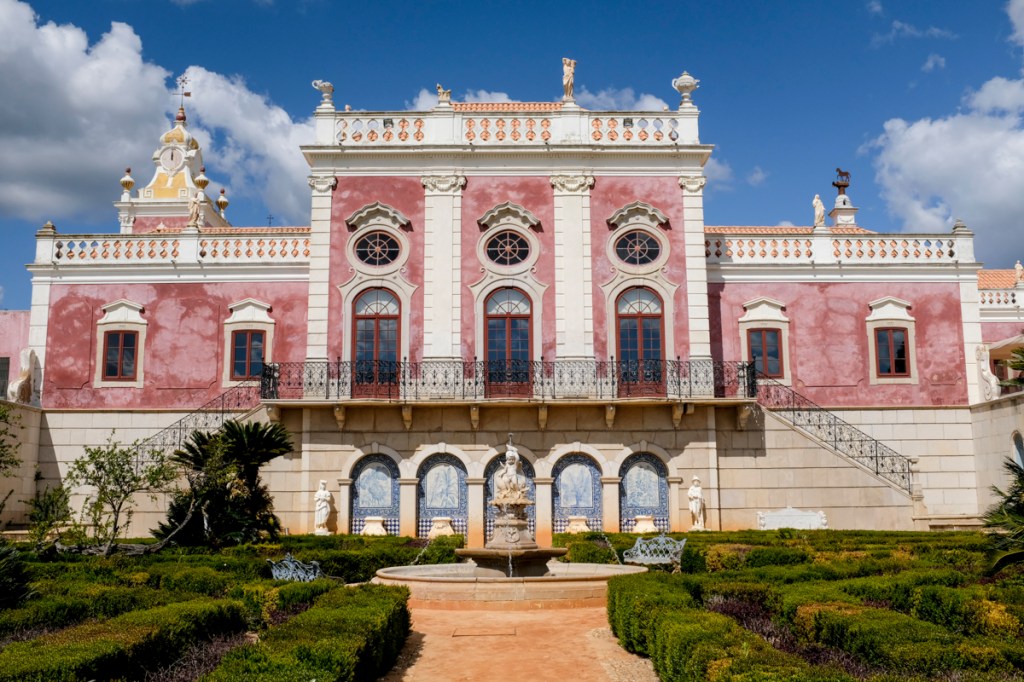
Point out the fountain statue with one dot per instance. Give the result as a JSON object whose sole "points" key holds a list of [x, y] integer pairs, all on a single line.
{"points": [[510, 570]]}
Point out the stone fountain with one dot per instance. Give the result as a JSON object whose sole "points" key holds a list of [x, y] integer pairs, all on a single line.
{"points": [[511, 551], [511, 571]]}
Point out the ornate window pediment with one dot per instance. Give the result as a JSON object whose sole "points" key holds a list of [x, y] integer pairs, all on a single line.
{"points": [[378, 215], [509, 214], [249, 310], [639, 213], [764, 309], [889, 308], [122, 310]]}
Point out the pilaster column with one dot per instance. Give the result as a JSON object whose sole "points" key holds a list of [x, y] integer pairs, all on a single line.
{"points": [[675, 485], [319, 265], [442, 266], [407, 506], [542, 510], [574, 299], [344, 505], [696, 266], [610, 504], [475, 527]]}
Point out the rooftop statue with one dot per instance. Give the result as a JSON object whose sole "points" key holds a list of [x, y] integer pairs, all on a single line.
{"points": [[326, 89], [568, 78], [819, 211], [443, 96]]}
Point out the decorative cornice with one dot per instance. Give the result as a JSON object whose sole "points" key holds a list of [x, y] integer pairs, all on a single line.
{"points": [[322, 184], [443, 184], [692, 183], [638, 212], [572, 184], [377, 214], [509, 213]]}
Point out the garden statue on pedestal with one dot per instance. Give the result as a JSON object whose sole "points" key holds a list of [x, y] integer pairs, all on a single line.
{"points": [[321, 509], [696, 497]]}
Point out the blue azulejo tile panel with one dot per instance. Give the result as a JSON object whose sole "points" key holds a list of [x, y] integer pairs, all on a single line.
{"points": [[442, 491], [375, 492], [576, 492], [490, 511], [643, 490]]}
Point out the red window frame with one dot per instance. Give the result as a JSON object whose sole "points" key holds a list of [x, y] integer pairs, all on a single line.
{"points": [[891, 350], [510, 378], [376, 376], [640, 317], [119, 373], [763, 333], [249, 334]]}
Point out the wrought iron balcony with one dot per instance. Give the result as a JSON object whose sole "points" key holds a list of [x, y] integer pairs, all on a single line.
{"points": [[475, 380]]}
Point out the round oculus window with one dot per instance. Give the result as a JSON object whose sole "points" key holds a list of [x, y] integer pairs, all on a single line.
{"points": [[637, 248], [508, 248], [377, 248]]}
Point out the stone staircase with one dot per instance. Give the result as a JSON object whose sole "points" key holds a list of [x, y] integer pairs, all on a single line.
{"points": [[834, 434]]}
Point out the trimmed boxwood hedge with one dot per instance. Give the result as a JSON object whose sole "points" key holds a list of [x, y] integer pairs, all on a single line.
{"points": [[122, 647], [352, 633]]}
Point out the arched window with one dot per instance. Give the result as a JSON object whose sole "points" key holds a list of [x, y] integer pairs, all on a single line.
{"points": [[576, 492], [443, 492], [507, 339], [643, 490], [639, 325], [375, 351], [375, 492]]}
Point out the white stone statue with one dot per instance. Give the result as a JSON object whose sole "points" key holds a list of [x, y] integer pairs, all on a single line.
{"points": [[819, 211], [20, 390], [696, 497], [443, 96], [568, 78], [321, 509], [509, 482], [193, 211], [1018, 271]]}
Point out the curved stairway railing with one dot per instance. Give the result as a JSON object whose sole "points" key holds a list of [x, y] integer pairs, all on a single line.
{"points": [[842, 437]]}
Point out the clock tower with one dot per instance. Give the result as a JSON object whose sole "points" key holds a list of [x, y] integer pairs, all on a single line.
{"points": [[175, 197]]}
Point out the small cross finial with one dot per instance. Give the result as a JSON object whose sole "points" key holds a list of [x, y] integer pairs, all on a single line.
{"points": [[270, 219]]}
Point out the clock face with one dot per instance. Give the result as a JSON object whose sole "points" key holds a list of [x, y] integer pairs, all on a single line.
{"points": [[171, 158]]}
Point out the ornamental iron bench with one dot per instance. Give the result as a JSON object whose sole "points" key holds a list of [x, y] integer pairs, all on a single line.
{"points": [[660, 549], [291, 568]]}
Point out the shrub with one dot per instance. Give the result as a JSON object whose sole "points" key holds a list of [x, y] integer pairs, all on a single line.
{"points": [[776, 556], [121, 647], [349, 634], [726, 557], [13, 577]]}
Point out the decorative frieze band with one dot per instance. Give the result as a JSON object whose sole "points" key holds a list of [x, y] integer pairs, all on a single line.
{"points": [[443, 184], [572, 184], [323, 184], [692, 183]]}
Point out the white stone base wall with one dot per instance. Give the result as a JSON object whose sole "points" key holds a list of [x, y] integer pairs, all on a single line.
{"points": [[22, 480], [770, 465], [994, 424]]}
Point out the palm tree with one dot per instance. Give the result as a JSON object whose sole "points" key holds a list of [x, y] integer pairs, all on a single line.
{"points": [[225, 486], [1007, 517]]}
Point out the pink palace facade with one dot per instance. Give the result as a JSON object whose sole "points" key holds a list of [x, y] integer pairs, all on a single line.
{"points": [[536, 269]]}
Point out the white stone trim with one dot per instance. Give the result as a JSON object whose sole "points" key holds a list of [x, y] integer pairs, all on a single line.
{"points": [[398, 285], [442, 271], [638, 448], [509, 215], [376, 215], [767, 313], [659, 284], [121, 315], [636, 214], [428, 450], [246, 315], [526, 283], [560, 451], [349, 463], [890, 311], [574, 297]]}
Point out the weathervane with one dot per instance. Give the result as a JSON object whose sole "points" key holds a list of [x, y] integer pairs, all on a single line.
{"points": [[182, 82]]}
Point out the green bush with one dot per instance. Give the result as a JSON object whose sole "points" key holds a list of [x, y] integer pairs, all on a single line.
{"points": [[14, 577], [349, 634], [122, 647], [758, 594], [776, 556], [200, 580]]}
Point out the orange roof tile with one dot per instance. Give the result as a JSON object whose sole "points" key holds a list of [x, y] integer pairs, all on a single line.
{"points": [[996, 279], [518, 107], [777, 229]]}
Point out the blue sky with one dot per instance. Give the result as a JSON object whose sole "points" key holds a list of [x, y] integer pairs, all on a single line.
{"points": [[921, 101]]}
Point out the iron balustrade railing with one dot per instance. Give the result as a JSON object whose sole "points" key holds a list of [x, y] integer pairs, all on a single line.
{"points": [[841, 436], [482, 380], [208, 417]]}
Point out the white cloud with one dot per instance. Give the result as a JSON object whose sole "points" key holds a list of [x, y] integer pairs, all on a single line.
{"points": [[719, 174], [901, 29], [998, 95], [427, 99], [1015, 8], [874, 7], [423, 101], [1, 295], [486, 96], [619, 99], [756, 177], [81, 114], [252, 141], [85, 111], [933, 62], [785, 223]]}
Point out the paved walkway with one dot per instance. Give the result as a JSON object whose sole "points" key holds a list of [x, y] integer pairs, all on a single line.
{"points": [[562, 644]]}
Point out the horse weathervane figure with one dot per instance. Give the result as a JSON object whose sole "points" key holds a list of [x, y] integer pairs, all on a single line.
{"points": [[842, 180]]}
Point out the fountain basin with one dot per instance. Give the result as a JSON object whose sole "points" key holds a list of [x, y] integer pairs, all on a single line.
{"points": [[462, 586], [526, 562]]}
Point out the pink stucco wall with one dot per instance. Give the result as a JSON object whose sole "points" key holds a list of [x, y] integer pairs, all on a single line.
{"points": [[609, 195], [536, 195], [403, 194], [997, 331], [13, 335], [828, 340], [184, 350], [146, 224]]}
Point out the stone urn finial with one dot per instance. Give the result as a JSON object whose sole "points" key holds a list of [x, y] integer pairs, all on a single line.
{"points": [[685, 85]]}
